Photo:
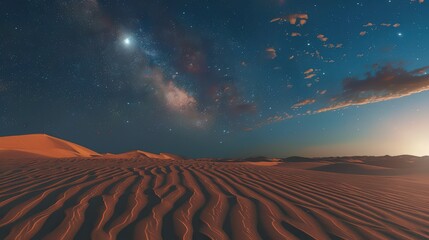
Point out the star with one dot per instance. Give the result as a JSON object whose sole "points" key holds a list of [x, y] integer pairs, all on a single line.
{"points": [[127, 41]]}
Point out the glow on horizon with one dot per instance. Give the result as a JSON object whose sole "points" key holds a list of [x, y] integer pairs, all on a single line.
{"points": [[411, 138]]}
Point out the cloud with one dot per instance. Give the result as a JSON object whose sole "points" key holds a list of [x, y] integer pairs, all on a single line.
{"points": [[386, 84], [331, 45], [396, 25], [278, 118], [309, 71], [294, 19], [322, 92], [232, 104], [270, 120], [304, 103], [271, 53], [322, 37], [373, 27], [310, 76]]}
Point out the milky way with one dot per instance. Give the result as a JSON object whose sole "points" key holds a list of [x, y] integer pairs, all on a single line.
{"points": [[216, 78]]}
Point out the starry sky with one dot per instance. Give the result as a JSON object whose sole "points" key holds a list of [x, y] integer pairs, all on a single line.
{"points": [[219, 78]]}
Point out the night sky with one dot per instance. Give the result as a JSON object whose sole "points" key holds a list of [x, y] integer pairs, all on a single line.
{"points": [[219, 78]]}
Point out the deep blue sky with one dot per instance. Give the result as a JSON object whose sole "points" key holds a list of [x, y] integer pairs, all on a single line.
{"points": [[219, 78]]}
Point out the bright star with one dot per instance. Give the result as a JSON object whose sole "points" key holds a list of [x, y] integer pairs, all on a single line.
{"points": [[400, 34], [127, 41]]}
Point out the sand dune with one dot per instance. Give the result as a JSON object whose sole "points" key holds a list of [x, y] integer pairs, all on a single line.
{"points": [[143, 198], [61, 192], [353, 168], [40, 145], [139, 154], [44, 146]]}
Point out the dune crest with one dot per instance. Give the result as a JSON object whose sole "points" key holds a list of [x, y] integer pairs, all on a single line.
{"points": [[143, 154], [40, 146]]}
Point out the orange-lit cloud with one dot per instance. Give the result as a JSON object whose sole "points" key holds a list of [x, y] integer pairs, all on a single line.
{"points": [[270, 120], [310, 76], [271, 53], [309, 71], [304, 103], [331, 45], [386, 84], [294, 19], [322, 38], [396, 25]]}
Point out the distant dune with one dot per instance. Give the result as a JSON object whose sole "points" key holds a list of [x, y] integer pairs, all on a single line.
{"points": [[138, 153], [41, 145], [353, 168], [45, 146], [140, 195]]}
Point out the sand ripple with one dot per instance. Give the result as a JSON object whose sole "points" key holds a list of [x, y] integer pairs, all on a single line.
{"points": [[158, 199]]}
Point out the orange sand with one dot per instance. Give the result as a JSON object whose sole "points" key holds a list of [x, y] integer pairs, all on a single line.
{"points": [[40, 145], [129, 197]]}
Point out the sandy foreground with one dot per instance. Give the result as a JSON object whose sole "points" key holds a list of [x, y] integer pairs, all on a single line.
{"points": [[143, 198]]}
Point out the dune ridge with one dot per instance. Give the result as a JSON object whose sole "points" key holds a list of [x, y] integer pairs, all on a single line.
{"points": [[40, 145], [139, 153], [33, 146]]}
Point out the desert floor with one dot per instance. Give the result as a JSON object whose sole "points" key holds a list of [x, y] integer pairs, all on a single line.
{"points": [[144, 198]]}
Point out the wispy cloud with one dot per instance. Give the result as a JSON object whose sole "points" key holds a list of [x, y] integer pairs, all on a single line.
{"points": [[386, 84], [304, 103], [270, 120]]}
